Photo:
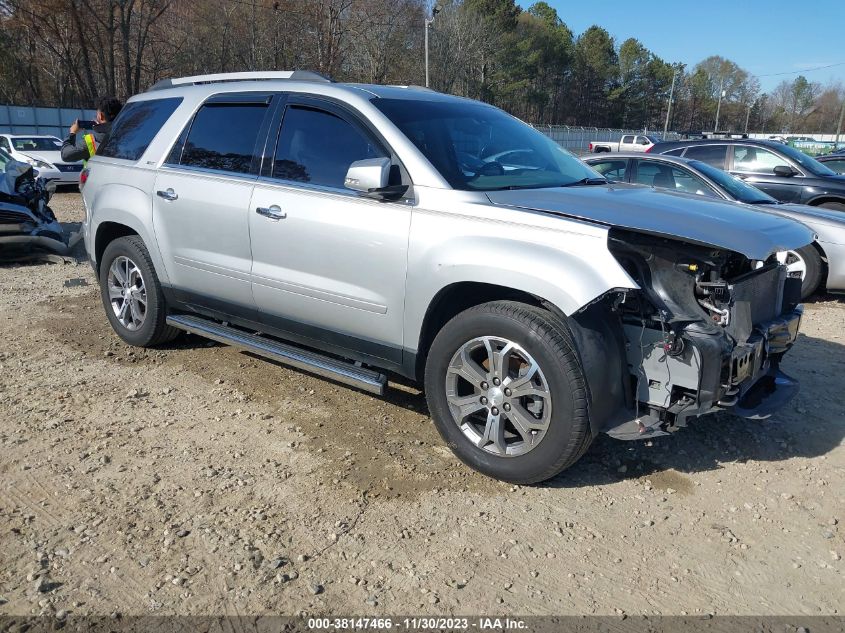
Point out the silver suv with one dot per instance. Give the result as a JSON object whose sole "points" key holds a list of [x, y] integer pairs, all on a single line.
{"points": [[355, 230]]}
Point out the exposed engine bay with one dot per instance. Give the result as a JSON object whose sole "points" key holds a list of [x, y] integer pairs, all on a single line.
{"points": [[28, 228], [705, 331]]}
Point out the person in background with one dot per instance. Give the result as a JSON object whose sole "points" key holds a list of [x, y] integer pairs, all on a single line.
{"points": [[82, 144]]}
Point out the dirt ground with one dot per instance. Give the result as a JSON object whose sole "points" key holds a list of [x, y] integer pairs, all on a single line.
{"points": [[195, 479]]}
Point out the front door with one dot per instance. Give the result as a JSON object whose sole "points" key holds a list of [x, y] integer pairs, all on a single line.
{"points": [[328, 265], [756, 166], [202, 200]]}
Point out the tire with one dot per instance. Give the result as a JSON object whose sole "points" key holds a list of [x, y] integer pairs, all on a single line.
{"points": [[142, 325], [813, 267], [835, 206], [563, 429]]}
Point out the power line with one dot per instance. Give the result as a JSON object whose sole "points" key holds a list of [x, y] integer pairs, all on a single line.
{"points": [[806, 70]]}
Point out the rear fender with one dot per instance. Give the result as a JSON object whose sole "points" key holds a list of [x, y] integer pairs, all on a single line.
{"points": [[130, 207]]}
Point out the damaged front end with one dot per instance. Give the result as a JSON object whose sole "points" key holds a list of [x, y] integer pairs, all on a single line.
{"points": [[705, 332], [28, 227]]}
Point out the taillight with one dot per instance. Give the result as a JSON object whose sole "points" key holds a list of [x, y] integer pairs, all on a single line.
{"points": [[591, 147], [83, 176]]}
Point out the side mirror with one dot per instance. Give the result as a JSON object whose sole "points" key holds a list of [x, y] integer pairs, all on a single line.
{"points": [[784, 171], [371, 177]]}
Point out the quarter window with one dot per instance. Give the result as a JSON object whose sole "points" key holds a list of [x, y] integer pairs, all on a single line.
{"points": [[711, 154], [223, 137], [136, 126], [756, 160], [317, 147]]}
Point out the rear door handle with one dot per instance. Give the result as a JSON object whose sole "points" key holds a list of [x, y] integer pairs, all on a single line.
{"points": [[167, 195], [274, 212]]}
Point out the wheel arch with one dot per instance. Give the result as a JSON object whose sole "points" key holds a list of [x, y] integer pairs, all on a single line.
{"points": [[821, 199], [119, 210], [453, 299]]}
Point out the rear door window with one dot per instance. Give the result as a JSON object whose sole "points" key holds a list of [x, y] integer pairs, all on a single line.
{"points": [[136, 126], [711, 154], [663, 176], [611, 169], [317, 147], [628, 140]]}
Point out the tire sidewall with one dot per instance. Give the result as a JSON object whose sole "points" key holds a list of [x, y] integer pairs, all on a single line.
{"points": [[534, 465], [127, 247], [813, 270]]}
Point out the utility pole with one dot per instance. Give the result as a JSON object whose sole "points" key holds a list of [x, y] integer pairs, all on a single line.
{"points": [[428, 21], [841, 117], [719, 106], [669, 109], [747, 116]]}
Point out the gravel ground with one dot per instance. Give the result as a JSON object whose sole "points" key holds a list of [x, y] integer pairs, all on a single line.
{"points": [[195, 479]]}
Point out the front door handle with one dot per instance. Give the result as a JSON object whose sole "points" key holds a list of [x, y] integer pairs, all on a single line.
{"points": [[274, 212], [169, 195]]}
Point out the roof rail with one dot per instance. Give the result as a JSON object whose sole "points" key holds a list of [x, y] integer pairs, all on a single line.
{"points": [[298, 75]]}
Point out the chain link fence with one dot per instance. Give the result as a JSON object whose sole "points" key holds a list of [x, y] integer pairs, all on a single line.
{"points": [[577, 139]]}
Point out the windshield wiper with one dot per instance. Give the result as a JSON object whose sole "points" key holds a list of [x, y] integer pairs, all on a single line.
{"points": [[587, 181]]}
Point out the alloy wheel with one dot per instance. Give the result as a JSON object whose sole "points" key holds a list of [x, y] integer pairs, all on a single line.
{"points": [[127, 293], [498, 396], [795, 264]]}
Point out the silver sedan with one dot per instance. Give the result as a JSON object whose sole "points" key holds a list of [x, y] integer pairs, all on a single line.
{"points": [[821, 263]]}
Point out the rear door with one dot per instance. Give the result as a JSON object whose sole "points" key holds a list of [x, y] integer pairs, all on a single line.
{"points": [[201, 202], [328, 264], [756, 166], [714, 155]]}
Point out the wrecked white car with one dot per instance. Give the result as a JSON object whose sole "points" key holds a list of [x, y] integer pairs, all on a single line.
{"points": [[28, 227]]}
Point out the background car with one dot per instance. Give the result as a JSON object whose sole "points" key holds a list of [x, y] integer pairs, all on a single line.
{"points": [[834, 161], [822, 262], [45, 154], [783, 172]]}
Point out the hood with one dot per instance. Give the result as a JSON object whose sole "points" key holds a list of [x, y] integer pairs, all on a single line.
{"points": [[806, 212], [707, 221], [49, 157]]}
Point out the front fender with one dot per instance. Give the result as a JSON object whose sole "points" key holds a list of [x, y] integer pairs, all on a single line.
{"points": [[567, 263], [131, 207]]}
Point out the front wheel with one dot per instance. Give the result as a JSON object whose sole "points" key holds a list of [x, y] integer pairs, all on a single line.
{"points": [[836, 206], [507, 392], [805, 263], [132, 294]]}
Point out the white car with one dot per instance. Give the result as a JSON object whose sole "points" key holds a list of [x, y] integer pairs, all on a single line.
{"points": [[45, 154]]}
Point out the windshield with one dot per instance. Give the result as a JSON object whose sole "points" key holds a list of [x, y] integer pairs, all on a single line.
{"points": [[477, 147], [36, 143], [738, 189], [807, 162]]}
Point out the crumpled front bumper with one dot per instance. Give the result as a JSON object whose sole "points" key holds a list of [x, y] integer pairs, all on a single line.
{"points": [[767, 388]]}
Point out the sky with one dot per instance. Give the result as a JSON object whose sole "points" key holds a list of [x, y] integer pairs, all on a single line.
{"points": [[762, 36]]}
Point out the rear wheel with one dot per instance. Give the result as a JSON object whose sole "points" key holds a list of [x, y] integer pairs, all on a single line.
{"points": [[132, 294], [507, 392], [806, 264]]}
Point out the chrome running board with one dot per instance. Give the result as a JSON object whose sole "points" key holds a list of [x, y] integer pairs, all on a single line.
{"points": [[338, 370]]}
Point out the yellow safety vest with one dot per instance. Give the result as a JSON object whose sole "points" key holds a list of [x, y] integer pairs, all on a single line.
{"points": [[91, 144]]}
